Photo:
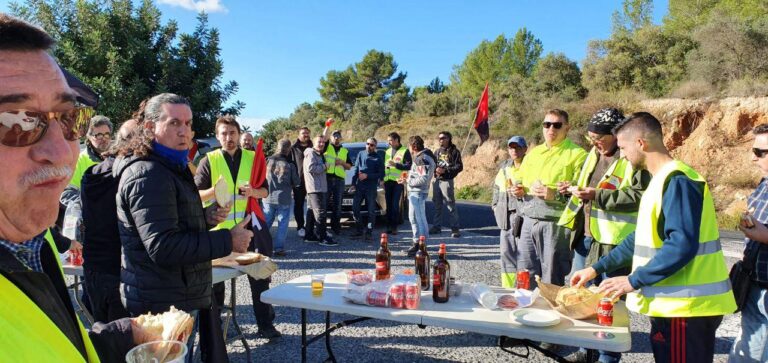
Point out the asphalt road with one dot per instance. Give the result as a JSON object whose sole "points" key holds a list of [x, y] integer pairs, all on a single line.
{"points": [[473, 257]]}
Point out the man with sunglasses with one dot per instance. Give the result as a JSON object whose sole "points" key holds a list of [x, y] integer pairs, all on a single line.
{"points": [[368, 170], [543, 247], [603, 206], [40, 124], [679, 275], [448, 166], [752, 341]]}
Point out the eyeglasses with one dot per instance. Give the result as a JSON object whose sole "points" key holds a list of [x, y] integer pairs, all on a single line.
{"points": [[105, 135], [371, 144], [594, 140], [759, 152], [556, 125], [19, 128]]}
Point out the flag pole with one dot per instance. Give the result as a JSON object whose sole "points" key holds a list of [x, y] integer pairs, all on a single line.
{"points": [[469, 132]]}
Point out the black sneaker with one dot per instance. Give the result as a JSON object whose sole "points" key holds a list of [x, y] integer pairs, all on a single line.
{"points": [[268, 332], [455, 233], [434, 230], [328, 241], [411, 252], [311, 239]]}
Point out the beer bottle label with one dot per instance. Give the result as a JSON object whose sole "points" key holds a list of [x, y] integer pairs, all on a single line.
{"points": [[436, 283], [381, 266]]}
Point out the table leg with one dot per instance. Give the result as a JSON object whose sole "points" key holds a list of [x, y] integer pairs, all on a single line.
{"points": [[232, 306], [592, 355], [303, 335], [328, 337]]}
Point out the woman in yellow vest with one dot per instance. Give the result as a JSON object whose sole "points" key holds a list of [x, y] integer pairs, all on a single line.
{"points": [[679, 277]]}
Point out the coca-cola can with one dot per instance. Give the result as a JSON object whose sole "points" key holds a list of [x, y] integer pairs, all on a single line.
{"points": [[397, 295], [412, 295], [605, 312], [523, 280], [376, 298], [76, 258]]}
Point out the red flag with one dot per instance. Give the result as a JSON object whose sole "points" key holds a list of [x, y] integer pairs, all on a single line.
{"points": [[258, 178], [192, 151], [481, 117]]}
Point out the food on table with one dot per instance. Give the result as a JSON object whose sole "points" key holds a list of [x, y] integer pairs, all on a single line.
{"points": [[249, 258], [174, 324], [507, 301], [573, 295]]}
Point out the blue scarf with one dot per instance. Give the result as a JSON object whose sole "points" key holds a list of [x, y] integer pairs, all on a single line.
{"points": [[178, 157]]}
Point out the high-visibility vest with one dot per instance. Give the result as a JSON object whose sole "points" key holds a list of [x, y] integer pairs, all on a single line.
{"points": [[608, 227], [507, 177], [551, 165], [219, 168], [392, 173], [700, 288], [330, 160], [83, 163], [29, 335]]}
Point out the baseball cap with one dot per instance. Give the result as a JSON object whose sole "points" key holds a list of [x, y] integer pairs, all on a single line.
{"points": [[519, 140]]}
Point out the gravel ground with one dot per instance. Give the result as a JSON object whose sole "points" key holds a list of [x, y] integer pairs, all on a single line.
{"points": [[473, 258]]}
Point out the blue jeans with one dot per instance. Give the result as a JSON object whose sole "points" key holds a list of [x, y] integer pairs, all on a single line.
{"points": [[369, 195], [417, 214], [750, 345], [283, 214], [580, 253]]}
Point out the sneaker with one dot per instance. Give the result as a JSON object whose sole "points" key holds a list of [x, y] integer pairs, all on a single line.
{"points": [[434, 230], [268, 332], [328, 241], [301, 232], [311, 239], [455, 233], [280, 253], [578, 356]]}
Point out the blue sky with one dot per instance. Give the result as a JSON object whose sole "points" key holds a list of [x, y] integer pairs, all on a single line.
{"points": [[278, 50]]}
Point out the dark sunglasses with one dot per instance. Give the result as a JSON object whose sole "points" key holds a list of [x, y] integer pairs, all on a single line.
{"points": [[21, 128], [371, 144], [442, 138], [556, 125], [759, 152]]}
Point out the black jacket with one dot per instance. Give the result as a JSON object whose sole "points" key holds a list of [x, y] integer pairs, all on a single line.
{"points": [[296, 157], [167, 248], [101, 240], [450, 159]]}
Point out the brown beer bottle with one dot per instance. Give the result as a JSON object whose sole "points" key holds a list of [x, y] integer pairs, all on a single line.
{"points": [[423, 263], [441, 277], [383, 258]]}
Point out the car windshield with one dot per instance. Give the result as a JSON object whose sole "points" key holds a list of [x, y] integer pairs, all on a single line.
{"points": [[354, 150]]}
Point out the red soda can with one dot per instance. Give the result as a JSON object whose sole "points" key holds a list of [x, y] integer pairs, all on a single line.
{"points": [[605, 312], [76, 258], [397, 295], [412, 295], [524, 279], [376, 298]]}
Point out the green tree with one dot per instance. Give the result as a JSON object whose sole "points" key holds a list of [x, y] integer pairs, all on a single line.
{"points": [[436, 86], [495, 62], [125, 54], [555, 73], [634, 15]]}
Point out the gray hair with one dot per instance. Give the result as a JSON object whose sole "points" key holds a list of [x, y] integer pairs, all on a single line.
{"points": [[372, 139], [154, 106], [97, 121], [283, 147]]}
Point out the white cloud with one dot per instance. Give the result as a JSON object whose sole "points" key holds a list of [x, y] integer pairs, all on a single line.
{"points": [[255, 123], [209, 6]]}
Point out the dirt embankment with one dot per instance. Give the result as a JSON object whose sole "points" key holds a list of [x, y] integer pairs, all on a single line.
{"points": [[711, 135]]}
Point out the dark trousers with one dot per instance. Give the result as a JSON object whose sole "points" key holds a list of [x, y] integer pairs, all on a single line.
{"points": [[684, 339], [393, 192], [369, 194], [104, 295], [316, 216], [335, 194], [299, 196]]}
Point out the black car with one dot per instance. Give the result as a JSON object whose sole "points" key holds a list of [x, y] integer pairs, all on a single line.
{"points": [[348, 197]]}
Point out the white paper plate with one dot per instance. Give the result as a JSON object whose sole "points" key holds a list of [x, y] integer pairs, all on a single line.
{"points": [[535, 317]]}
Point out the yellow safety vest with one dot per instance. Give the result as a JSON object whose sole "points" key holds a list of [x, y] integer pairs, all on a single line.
{"points": [[700, 288], [219, 168], [392, 173], [28, 335], [507, 177], [330, 160], [83, 163], [607, 227], [551, 165]]}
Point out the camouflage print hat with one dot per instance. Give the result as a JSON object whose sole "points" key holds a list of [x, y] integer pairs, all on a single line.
{"points": [[604, 121]]}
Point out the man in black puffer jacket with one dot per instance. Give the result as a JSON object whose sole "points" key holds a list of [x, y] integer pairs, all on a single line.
{"points": [[167, 248]]}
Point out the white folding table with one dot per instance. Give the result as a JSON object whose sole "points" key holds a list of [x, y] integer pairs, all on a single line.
{"points": [[461, 313]]}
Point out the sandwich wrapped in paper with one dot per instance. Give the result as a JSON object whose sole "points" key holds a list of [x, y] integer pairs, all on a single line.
{"points": [[221, 193], [573, 302], [173, 324]]}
